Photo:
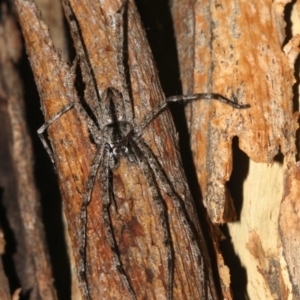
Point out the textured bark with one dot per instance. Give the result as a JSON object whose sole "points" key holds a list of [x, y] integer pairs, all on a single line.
{"points": [[20, 201], [235, 48], [136, 225], [243, 49], [232, 57]]}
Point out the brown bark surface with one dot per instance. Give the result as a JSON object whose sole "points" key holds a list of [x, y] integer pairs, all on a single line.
{"points": [[245, 50], [136, 225], [242, 50], [20, 203], [237, 52]]}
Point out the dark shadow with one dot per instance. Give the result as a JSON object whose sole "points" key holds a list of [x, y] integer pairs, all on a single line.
{"points": [[296, 85], [157, 21], [298, 144], [47, 185], [279, 157], [239, 173], [238, 274], [15, 251], [10, 247], [296, 102], [288, 20], [288, 32]]}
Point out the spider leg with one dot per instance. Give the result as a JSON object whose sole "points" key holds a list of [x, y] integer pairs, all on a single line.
{"points": [[121, 39], [199, 250], [162, 215], [44, 127], [106, 201], [159, 108], [83, 219], [139, 129], [92, 127], [91, 91], [207, 96]]}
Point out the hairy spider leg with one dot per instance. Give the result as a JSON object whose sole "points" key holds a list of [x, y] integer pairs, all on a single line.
{"points": [[162, 214], [91, 92], [183, 215], [106, 201], [120, 38], [43, 128], [159, 108], [101, 156], [83, 218]]}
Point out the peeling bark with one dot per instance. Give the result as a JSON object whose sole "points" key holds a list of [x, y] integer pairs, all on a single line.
{"points": [[243, 50]]}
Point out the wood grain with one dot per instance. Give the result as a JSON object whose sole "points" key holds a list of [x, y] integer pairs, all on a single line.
{"points": [[246, 50]]}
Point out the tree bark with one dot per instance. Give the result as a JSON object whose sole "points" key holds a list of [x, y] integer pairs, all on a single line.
{"points": [[244, 50], [136, 223], [20, 202]]}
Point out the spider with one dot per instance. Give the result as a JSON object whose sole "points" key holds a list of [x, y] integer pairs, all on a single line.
{"points": [[116, 135]]}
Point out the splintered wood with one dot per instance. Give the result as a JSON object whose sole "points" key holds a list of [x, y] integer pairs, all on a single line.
{"points": [[237, 48], [245, 50]]}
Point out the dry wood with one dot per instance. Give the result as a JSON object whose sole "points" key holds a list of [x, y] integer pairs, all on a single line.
{"points": [[236, 48], [136, 226], [20, 198], [236, 53]]}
